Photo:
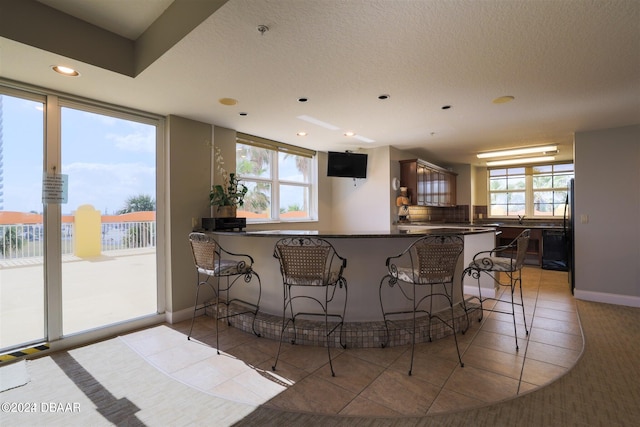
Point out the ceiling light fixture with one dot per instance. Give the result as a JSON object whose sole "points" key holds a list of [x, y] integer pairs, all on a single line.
{"points": [[228, 101], [303, 133], [521, 161], [518, 151], [349, 133], [503, 99], [318, 122], [65, 71], [363, 138], [384, 96]]}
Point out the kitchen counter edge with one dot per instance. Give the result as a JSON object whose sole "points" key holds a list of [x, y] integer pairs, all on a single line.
{"points": [[357, 234]]}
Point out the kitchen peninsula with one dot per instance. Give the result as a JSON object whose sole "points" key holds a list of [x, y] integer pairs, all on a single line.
{"points": [[366, 254]]}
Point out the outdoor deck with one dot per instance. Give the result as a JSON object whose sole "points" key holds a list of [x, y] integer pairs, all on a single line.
{"points": [[116, 286]]}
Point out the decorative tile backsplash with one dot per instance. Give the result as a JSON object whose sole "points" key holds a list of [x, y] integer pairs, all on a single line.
{"points": [[436, 214]]}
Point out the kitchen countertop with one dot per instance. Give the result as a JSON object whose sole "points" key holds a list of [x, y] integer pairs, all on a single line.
{"points": [[492, 224], [395, 232], [545, 226]]}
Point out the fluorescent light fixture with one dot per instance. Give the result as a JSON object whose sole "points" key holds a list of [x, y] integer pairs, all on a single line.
{"points": [[363, 138], [521, 161], [318, 122], [518, 151]]}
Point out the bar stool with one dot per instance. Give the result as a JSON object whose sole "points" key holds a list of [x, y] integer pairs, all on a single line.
{"points": [[311, 270], [493, 263], [213, 265], [428, 262]]}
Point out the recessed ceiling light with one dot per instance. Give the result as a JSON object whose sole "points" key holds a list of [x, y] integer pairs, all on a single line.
{"points": [[349, 133], [243, 113], [503, 99], [228, 101], [65, 71], [302, 133], [384, 96], [446, 107], [303, 99]]}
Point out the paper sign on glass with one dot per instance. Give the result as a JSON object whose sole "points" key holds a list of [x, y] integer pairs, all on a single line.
{"points": [[55, 188]]}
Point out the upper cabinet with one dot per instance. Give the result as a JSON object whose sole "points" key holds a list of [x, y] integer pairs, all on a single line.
{"points": [[428, 184]]}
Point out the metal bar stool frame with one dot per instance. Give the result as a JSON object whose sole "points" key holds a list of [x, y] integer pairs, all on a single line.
{"points": [[429, 261], [215, 264], [492, 263], [307, 262]]}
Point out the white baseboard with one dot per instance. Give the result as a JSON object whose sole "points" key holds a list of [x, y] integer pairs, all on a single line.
{"points": [[628, 300], [179, 316]]}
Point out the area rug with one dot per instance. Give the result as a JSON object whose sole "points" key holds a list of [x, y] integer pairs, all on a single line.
{"points": [[13, 375], [106, 384]]}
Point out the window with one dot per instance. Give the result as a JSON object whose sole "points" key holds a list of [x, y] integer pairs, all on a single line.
{"points": [[534, 191], [280, 178]]}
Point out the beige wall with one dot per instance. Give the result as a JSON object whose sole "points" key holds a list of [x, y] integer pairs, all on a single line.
{"points": [[189, 174], [479, 186], [607, 193], [464, 184], [363, 204]]}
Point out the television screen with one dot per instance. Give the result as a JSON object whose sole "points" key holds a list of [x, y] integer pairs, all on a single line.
{"points": [[347, 165]]}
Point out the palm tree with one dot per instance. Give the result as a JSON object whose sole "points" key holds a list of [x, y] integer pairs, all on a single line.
{"points": [[139, 234], [10, 241], [140, 203], [254, 162]]}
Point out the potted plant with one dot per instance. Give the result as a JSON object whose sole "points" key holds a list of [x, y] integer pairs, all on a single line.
{"points": [[226, 197]]}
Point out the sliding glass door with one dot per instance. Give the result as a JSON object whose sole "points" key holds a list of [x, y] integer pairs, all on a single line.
{"points": [[22, 290], [86, 260], [110, 276]]}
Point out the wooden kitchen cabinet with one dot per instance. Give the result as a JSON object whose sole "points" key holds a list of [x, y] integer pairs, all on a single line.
{"points": [[428, 184]]}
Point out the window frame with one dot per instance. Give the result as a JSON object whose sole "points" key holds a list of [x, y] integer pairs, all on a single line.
{"points": [[274, 180], [529, 192]]}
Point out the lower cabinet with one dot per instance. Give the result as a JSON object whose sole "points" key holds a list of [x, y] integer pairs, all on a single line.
{"points": [[534, 250]]}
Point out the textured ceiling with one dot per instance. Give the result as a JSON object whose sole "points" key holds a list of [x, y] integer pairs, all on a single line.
{"points": [[572, 65]]}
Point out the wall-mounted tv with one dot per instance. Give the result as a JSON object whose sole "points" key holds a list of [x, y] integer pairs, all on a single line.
{"points": [[347, 165]]}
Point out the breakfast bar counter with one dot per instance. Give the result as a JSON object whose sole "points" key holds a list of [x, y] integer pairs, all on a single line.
{"points": [[366, 254]]}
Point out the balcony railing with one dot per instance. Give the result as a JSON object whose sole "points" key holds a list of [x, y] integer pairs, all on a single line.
{"points": [[27, 240]]}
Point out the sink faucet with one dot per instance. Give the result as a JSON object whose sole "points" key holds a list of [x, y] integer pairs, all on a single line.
{"points": [[520, 218]]}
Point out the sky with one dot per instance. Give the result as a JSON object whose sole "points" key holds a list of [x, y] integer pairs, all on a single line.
{"points": [[107, 159]]}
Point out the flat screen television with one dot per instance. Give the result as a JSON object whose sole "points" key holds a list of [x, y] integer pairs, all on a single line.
{"points": [[347, 165]]}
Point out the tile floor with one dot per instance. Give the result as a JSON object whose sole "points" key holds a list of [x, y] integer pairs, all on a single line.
{"points": [[374, 381]]}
